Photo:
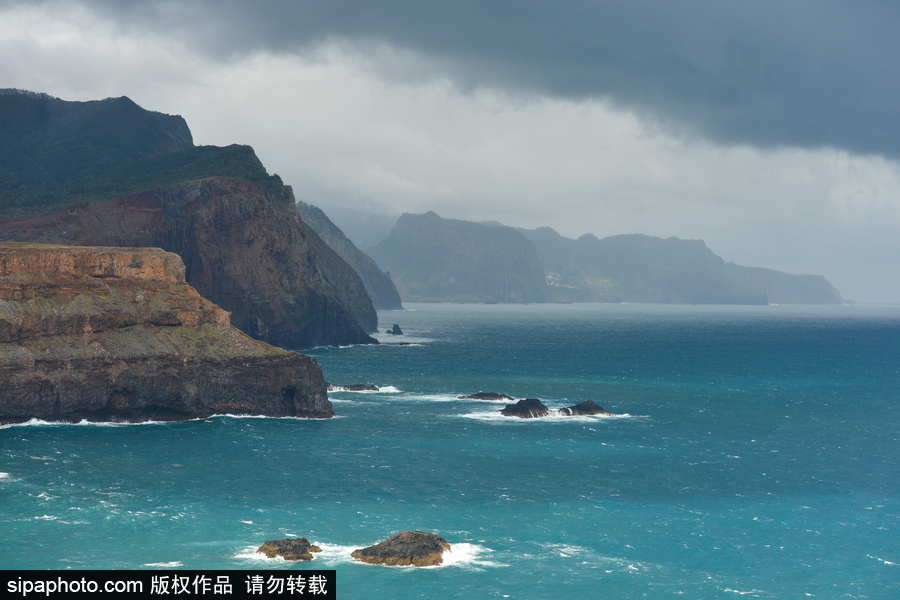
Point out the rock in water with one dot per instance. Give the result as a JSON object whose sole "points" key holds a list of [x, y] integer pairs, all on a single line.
{"points": [[115, 334], [416, 548], [528, 408], [289, 549], [588, 407], [395, 330], [486, 396]]}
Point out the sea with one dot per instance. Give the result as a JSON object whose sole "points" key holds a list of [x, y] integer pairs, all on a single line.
{"points": [[754, 453]]}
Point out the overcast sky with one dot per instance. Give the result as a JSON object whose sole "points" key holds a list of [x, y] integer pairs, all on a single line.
{"points": [[771, 130]]}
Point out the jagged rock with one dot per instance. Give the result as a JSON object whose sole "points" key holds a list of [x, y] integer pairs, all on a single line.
{"points": [[356, 387], [115, 334], [395, 330], [289, 549], [486, 396], [416, 548], [588, 407], [528, 408]]}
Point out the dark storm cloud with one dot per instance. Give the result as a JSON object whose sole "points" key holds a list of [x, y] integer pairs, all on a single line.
{"points": [[806, 73]]}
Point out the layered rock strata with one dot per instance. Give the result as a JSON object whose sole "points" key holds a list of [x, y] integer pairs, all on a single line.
{"points": [[116, 334]]}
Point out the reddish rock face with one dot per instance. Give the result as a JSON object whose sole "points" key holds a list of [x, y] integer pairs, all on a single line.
{"points": [[113, 334], [244, 247]]}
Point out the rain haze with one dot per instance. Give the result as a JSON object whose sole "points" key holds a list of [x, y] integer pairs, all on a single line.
{"points": [[769, 130]]}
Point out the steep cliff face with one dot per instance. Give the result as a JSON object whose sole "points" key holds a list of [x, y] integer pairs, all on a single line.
{"points": [[244, 247], [378, 283], [116, 334], [141, 165]]}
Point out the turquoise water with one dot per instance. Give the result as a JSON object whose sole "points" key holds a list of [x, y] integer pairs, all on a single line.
{"points": [[756, 454]]}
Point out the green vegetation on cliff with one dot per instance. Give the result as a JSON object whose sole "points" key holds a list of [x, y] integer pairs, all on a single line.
{"points": [[55, 153]]}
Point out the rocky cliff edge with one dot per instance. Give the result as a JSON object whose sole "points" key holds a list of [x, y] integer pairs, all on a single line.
{"points": [[115, 334]]}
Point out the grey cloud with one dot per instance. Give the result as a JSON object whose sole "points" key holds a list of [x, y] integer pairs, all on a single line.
{"points": [[807, 73]]}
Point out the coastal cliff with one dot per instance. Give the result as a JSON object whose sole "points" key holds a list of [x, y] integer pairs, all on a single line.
{"points": [[110, 173], [116, 334], [244, 247], [378, 284]]}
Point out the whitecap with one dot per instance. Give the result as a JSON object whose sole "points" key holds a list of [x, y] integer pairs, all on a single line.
{"points": [[554, 417], [387, 389], [42, 423], [250, 553], [4, 476], [164, 565], [429, 397], [468, 555]]}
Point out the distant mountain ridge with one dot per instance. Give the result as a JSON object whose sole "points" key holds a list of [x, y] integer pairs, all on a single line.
{"points": [[436, 259], [108, 172], [642, 268]]}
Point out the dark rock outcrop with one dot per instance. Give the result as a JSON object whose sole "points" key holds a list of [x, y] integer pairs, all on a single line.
{"points": [[416, 548], [289, 549], [588, 407], [528, 408], [244, 247], [378, 283], [486, 396], [115, 334], [395, 330]]}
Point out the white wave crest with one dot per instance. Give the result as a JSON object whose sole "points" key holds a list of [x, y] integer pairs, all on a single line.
{"points": [[250, 553], [387, 389], [554, 417], [164, 565]]}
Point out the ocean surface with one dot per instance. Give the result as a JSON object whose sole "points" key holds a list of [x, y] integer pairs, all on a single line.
{"points": [[755, 454]]}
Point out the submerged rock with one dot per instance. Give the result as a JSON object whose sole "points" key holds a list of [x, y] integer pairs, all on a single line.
{"points": [[289, 549], [528, 408], [588, 407], [486, 396], [416, 548]]}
